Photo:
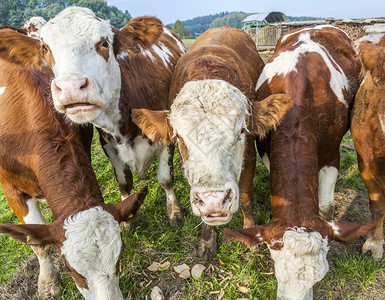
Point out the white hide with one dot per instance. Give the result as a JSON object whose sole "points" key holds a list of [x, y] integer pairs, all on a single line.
{"points": [[300, 263], [209, 115], [34, 215], [71, 37], [139, 156], [92, 247], [327, 178], [286, 62]]}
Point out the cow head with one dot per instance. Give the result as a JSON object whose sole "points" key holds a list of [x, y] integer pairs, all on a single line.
{"points": [[209, 121], [89, 242], [299, 254], [34, 25], [83, 52]]}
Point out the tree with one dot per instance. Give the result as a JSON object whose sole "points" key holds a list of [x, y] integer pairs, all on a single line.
{"points": [[16, 12], [178, 28]]}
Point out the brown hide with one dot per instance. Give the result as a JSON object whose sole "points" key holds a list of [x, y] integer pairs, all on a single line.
{"points": [[47, 158], [309, 135], [148, 90], [367, 128], [222, 53]]}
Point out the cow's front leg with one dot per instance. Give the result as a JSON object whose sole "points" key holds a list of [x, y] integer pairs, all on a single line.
{"points": [[28, 211], [208, 242], [246, 182], [122, 171], [166, 179]]}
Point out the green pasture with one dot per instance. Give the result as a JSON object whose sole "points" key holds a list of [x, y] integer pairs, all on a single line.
{"points": [[151, 238]]}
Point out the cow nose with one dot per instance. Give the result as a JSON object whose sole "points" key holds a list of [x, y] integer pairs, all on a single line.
{"points": [[71, 88], [214, 206]]}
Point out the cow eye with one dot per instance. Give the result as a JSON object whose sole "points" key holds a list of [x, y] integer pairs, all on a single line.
{"points": [[105, 44], [44, 47]]}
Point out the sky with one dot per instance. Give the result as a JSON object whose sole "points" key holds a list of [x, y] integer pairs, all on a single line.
{"points": [[168, 11]]}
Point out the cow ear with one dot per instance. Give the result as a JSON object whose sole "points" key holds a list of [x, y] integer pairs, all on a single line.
{"points": [[248, 236], [140, 33], [347, 232], [30, 234], [268, 113], [154, 124], [373, 60], [18, 48], [130, 206]]}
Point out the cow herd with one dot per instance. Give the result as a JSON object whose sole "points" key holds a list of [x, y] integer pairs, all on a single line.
{"points": [[219, 104]]}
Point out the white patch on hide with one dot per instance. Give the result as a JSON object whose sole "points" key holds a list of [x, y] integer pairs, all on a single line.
{"points": [[178, 42], [163, 52], [2, 90], [34, 215], [149, 54], [327, 178], [286, 62], [140, 156], [318, 27], [336, 229], [300, 263], [92, 247]]}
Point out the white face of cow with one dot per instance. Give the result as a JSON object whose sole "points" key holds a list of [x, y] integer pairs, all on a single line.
{"points": [[209, 118], [300, 264], [87, 75], [92, 249]]}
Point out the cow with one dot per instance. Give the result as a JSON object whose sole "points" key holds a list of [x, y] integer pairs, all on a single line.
{"points": [[43, 157], [100, 75], [319, 69], [33, 26], [368, 134], [212, 95]]}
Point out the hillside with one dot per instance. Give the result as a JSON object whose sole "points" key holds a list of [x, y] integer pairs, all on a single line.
{"points": [[200, 24]]}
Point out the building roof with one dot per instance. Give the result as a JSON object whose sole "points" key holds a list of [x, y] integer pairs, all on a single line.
{"points": [[271, 17]]}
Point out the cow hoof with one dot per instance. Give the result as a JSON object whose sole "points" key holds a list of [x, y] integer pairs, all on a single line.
{"points": [[176, 219], [375, 247]]}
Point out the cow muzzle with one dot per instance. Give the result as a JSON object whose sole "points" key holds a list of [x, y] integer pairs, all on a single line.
{"points": [[72, 96], [214, 207]]}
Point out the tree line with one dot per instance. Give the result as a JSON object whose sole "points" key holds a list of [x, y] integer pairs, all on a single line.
{"points": [[16, 12], [198, 25]]}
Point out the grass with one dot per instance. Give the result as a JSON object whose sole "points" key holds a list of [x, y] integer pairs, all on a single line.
{"points": [[151, 238]]}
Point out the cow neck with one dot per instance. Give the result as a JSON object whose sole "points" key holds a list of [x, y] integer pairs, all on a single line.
{"points": [[64, 171], [293, 170]]}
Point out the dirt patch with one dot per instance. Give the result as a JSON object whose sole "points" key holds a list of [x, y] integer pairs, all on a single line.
{"points": [[23, 285], [266, 54]]}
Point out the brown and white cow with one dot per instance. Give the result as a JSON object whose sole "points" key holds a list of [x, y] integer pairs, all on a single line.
{"points": [[33, 26], [43, 157], [212, 93], [318, 68], [368, 133], [101, 74]]}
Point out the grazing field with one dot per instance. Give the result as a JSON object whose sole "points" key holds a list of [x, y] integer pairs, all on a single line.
{"points": [[235, 272]]}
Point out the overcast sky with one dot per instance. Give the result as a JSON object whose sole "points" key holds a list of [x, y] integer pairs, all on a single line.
{"points": [[171, 10]]}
